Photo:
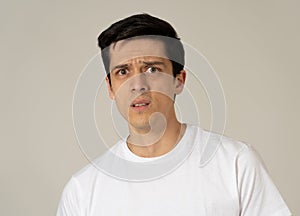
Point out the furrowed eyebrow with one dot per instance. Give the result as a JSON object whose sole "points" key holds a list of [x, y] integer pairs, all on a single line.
{"points": [[150, 63], [120, 66]]}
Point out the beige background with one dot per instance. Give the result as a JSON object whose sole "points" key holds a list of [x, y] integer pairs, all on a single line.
{"points": [[253, 46]]}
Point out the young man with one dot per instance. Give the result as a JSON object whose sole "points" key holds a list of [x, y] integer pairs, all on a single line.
{"points": [[144, 61]]}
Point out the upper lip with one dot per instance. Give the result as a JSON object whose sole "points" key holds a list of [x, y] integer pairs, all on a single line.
{"points": [[140, 101]]}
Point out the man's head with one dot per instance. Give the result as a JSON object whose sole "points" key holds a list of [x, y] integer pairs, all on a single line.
{"points": [[144, 61], [143, 25]]}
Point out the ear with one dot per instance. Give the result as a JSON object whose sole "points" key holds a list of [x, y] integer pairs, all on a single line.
{"points": [[179, 81], [109, 88]]}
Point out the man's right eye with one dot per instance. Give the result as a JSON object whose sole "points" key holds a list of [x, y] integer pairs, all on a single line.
{"points": [[122, 72]]}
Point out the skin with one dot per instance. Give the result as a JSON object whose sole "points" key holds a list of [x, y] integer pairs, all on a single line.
{"points": [[142, 74]]}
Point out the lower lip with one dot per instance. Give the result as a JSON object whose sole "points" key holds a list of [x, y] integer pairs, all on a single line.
{"points": [[140, 108]]}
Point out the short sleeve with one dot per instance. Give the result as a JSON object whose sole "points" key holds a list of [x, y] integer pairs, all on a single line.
{"points": [[257, 193], [69, 204]]}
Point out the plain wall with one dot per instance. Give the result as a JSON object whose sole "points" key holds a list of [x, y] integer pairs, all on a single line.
{"points": [[252, 45]]}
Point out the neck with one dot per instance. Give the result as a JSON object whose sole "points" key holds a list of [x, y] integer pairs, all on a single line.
{"points": [[158, 141]]}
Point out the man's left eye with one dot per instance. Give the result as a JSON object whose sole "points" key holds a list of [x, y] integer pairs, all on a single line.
{"points": [[152, 70]]}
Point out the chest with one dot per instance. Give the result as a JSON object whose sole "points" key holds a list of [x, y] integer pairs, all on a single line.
{"points": [[191, 191]]}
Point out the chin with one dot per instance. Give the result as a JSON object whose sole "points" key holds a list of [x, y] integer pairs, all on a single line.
{"points": [[141, 125]]}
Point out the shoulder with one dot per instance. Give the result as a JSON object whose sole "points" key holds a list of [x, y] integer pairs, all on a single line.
{"points": [[214, 146], [93, 170]]}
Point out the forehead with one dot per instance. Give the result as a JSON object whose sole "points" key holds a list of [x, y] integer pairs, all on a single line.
{"points": [[128, 49]]}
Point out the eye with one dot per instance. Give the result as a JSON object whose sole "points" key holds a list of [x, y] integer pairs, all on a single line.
{"points": [[122, 72], [152, 69]]}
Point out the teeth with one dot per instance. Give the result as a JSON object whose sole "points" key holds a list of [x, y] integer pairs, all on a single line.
{"points": [[138, 105]]}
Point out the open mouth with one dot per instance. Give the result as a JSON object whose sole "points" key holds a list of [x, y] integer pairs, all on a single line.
{"points": [[140, 105]]}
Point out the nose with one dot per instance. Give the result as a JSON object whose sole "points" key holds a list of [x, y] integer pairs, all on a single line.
{"points": [[139, 84]]}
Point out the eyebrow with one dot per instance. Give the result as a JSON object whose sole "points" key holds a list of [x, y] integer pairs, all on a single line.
{"points": [[120, 66], [148, 63], [154, 63]]}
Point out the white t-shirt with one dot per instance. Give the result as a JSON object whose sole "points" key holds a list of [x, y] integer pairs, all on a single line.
{"points": [[232, 182]]}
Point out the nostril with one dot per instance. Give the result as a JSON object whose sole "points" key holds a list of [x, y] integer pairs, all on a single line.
{"points": [[143, 89], [138, 87]]}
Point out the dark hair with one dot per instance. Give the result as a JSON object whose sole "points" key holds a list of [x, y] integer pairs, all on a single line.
{"points": [[143, 25]]}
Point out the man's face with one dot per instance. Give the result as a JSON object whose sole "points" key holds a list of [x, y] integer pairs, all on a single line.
{"points": [[142, 81]]}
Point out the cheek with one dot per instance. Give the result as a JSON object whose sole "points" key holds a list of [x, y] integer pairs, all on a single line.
{"points": [[119, 90], [163, 101], [163, 87], [121, 98]]}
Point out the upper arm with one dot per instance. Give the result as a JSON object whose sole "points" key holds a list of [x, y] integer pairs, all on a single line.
{"points": [[69, 204], [257, 192]]}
